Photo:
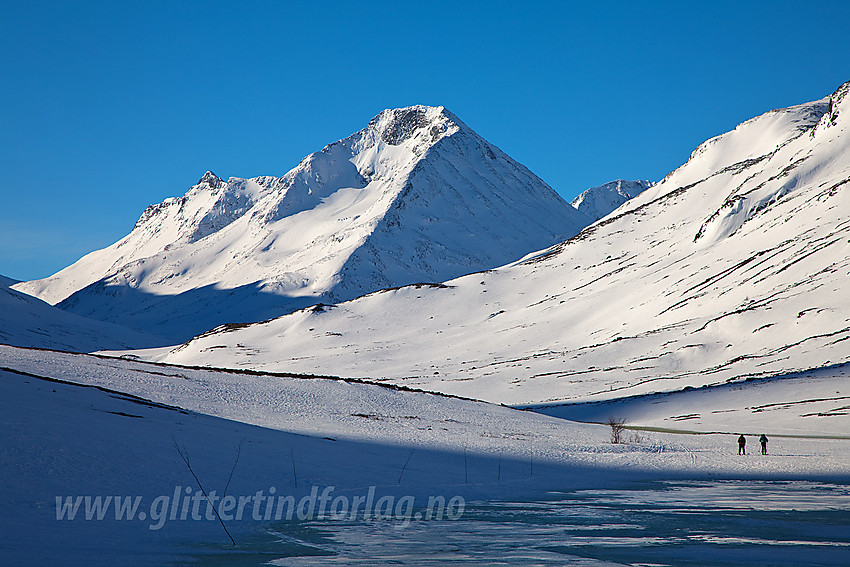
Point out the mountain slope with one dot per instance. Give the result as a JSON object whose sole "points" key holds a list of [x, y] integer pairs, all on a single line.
{"points": [[415, 196], [28, 321], [598, 202], [7, 282], [734, 266]]}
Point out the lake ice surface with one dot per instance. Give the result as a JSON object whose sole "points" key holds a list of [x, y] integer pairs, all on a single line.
{"points": [[728, 522]]}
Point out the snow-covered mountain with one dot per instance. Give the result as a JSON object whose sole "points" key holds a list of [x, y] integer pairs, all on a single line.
{"points": [[415, 196], [734, 266], [598, 202]]}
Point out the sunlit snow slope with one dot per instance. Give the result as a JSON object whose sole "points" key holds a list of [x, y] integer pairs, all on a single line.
{"points": [[415, 196], [735, 265]]}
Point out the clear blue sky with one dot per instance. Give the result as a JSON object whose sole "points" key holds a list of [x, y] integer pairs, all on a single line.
{"points": [[106, 107]]}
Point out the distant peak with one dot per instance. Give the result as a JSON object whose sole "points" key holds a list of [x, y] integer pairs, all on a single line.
{"points": [[211, 179], [599, 201], [400, 124]]}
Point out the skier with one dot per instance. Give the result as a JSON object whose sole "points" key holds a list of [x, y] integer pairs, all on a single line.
{"points": [[742, 443], [763, 441]]}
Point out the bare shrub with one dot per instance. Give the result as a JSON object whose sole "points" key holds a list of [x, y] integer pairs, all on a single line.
{"points": [[618, 426]]}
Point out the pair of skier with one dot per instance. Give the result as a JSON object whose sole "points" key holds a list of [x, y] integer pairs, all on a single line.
{"points": [[742, 444]]}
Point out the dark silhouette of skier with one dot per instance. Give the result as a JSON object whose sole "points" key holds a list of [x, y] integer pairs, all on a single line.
{"points": [[742, 445], [763, 441]]}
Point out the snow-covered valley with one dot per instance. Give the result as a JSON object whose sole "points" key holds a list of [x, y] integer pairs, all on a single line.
{"points": [[80, 426], [710, 305]]}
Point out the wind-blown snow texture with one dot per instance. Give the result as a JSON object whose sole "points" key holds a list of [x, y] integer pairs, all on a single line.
{"points": [[416, 196], [734, 266]]}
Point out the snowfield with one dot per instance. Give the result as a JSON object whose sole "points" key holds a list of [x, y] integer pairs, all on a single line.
{"points": [[815, 403], [79, 425]]}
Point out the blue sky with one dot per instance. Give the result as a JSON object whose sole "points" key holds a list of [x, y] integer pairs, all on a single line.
{"points": [[106, 107]]}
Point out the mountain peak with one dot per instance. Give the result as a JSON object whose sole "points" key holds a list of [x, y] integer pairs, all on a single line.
{"points": [[399, 124], [403, 200], [211, 179]]}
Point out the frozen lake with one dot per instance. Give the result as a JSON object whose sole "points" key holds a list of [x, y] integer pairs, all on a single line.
{"points": [[645, 524]]}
